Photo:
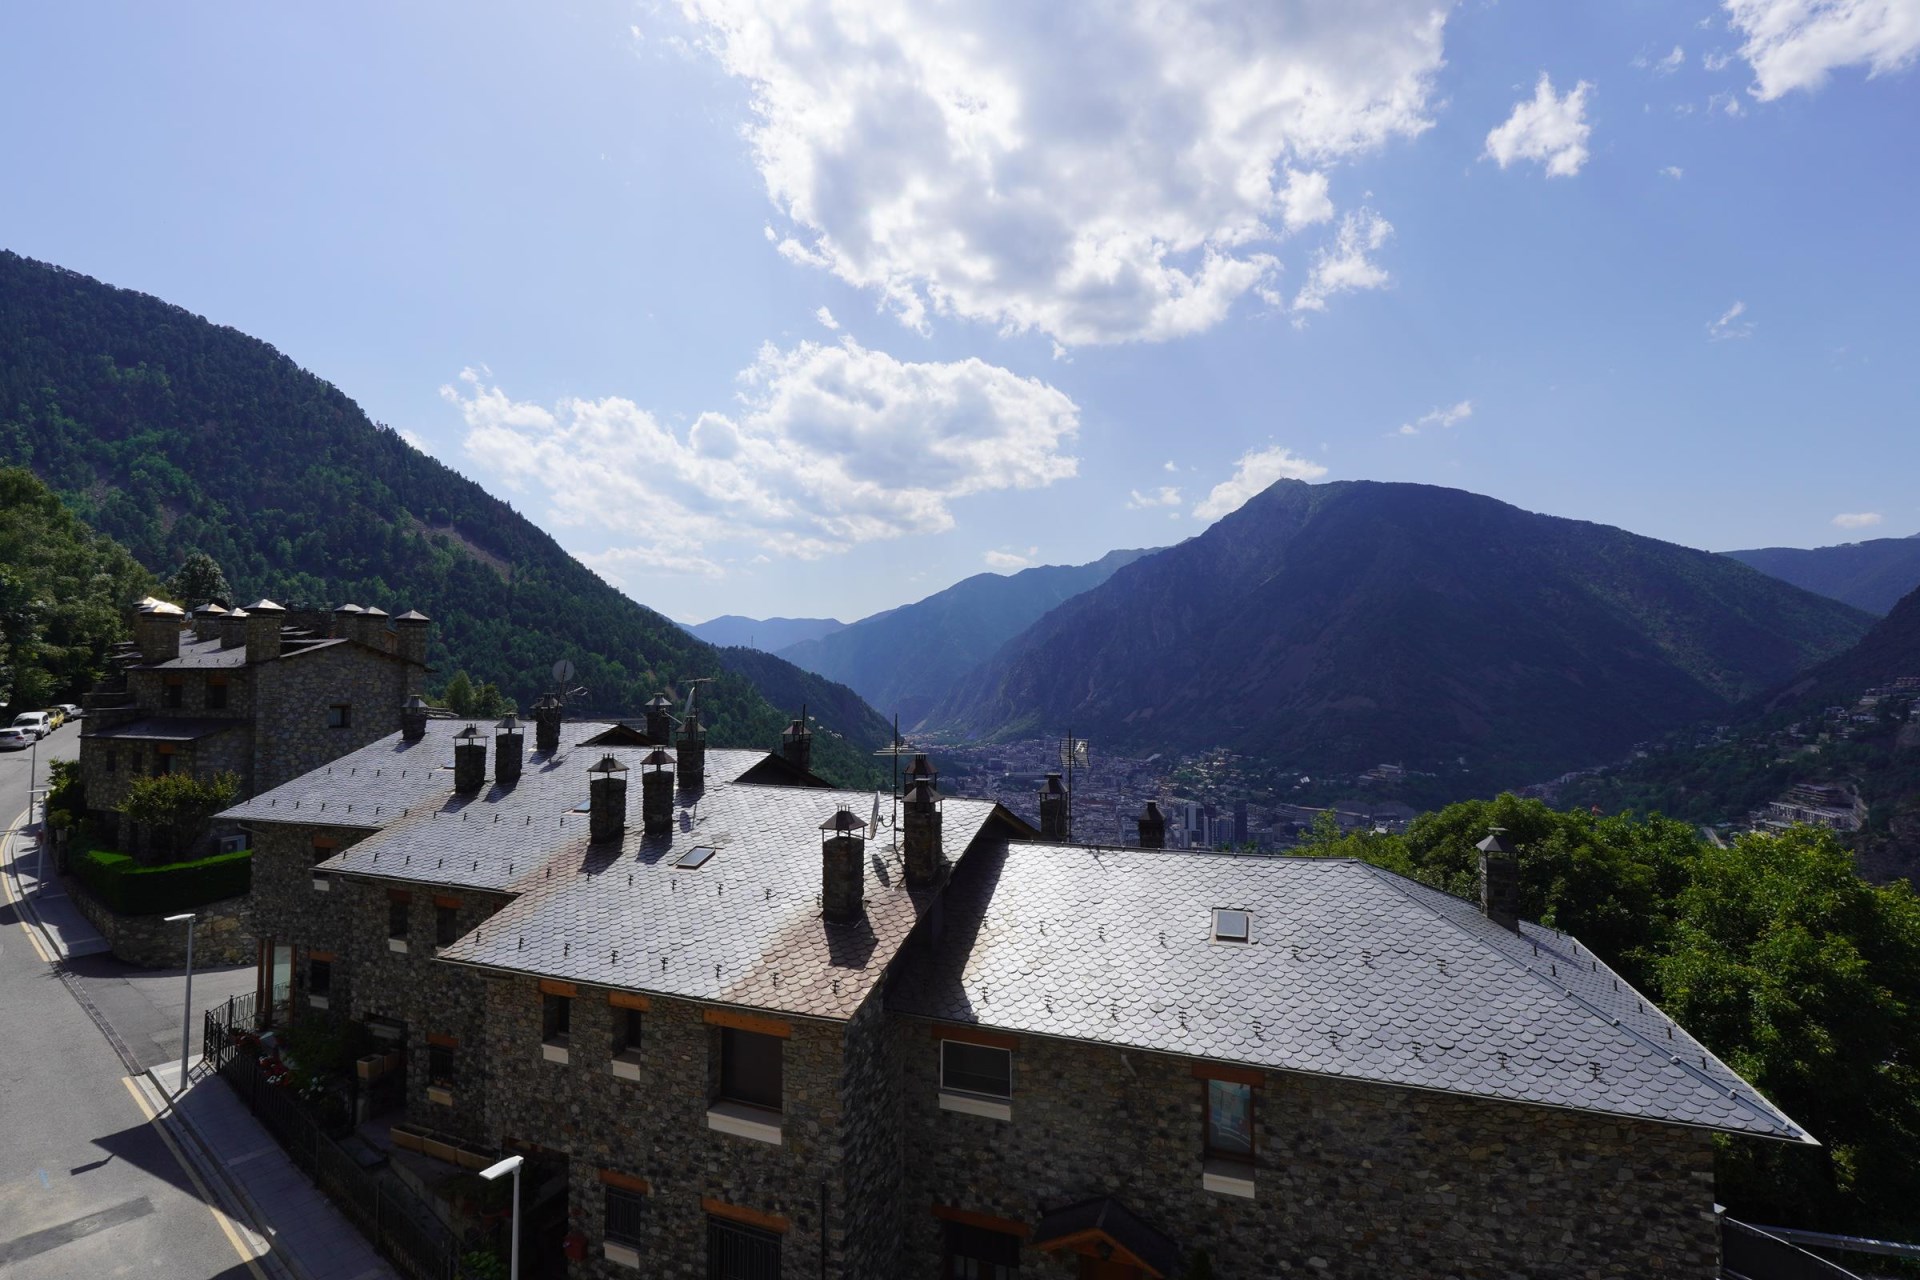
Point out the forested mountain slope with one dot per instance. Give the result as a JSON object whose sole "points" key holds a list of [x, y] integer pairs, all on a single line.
{"points": [[1869, 575], [173, 434]]}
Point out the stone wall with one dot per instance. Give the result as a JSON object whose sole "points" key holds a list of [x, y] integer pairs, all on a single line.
{"points": [[223, 934], [1353, 1179], [108, 767], [872, 1155], [291, 734]]}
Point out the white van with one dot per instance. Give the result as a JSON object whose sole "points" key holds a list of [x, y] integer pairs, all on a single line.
{"points": [[35, 722]]}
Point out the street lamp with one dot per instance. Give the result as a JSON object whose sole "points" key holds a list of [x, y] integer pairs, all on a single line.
{"points": [[510, 1165], [186, 1013]]}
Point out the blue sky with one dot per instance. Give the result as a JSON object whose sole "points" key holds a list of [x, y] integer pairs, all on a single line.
{"points": [[817, 310]]}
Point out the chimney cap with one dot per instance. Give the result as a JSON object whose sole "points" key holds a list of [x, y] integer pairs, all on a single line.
{"points": [[211, 610], [921, 768], [845, 823], [607, 765], [655, 759], [547, 702], [1152, 810], [374, 611], [509, 723], [660, 701], [414, 702], [237, 613], [348, 607], [470, 732], [1053, 785], [160, 607], [797, 726], [1496, 842], [264, 605], [921, 791], [413, 615]]}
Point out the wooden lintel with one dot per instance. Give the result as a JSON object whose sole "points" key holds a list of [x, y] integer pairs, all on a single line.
{"points": [[626, 1182], [974, 1035], [628, 1000], [739, 1213], [555, 987], [1232, 1075], [749, 1022], [984, 1221]]}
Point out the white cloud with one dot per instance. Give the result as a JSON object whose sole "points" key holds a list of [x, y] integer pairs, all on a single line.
{"points": [[413, 438], [1170, 466], [825, 317], [1344, 265], [830, 445], [1730, 325], [1447, 416], [1665, 66], [1164, 496], [1673, 171], [1795, 44], [1857, 519], [1715, 60], [1256, 469], [1099, 173], [1548, 128], [1010, 560]]}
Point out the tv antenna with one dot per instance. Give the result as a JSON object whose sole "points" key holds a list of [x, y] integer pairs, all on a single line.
{"points": [[693, 687], [562, 672], [1073, 751], [897, 748]]}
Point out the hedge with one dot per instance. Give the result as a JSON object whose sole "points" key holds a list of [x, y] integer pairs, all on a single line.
{"points": [[130, 889]]}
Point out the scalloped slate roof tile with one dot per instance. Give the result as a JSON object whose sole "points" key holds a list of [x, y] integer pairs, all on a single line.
{"points": [[1351, 971]]}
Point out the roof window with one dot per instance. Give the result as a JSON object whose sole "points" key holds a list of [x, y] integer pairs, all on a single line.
{"points": [[1232, 926], [696, 856]]}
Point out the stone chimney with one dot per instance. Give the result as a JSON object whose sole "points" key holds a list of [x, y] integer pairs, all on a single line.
{"points": [[413, 718], [156, 629], [656, 792], [206, 621], [796, 744], [1153, 827], [922, 829], [233, 629], [1053, 811], [412, 629], [606, 800], [508, 746], [1499, 881], [346, 622], [691, 746], [263, 631], [469, 761], [843, 868], [546, 724], [660, 720], [373, 628]]}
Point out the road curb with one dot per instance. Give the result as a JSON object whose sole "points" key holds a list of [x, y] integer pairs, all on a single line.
{"points": [[29, 917]]}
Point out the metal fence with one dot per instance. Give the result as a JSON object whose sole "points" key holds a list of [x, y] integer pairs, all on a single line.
{"points": [[1748, 1253], [391, 1218]]}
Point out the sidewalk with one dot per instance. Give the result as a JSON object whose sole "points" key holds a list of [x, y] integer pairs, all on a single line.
{"points": [[306, 1233], [64, 931]]}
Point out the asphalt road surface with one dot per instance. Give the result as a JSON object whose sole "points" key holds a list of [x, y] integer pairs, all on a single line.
{"points": [[88, 1188]]}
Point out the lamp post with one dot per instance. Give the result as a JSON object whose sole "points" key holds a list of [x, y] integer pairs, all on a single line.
{"points": [[510, 1165], [186, 1013]]}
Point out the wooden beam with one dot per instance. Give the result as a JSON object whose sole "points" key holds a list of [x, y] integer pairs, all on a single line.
{"points": [[555, 987], [626, 1182], [1231, 1075], [985, 1221], [628, 1000], [749, 1022], [439, 1041], [740, 1213], [974, 1035]]}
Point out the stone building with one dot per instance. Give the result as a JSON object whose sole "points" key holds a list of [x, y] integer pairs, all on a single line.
{"points": [[258, 692], [748, 1027]]}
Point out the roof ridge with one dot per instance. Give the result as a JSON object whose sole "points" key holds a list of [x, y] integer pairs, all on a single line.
{"points": [[1754, 1104]]}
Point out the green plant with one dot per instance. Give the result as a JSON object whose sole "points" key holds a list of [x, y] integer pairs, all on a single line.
{"points": [[134, 890], [482, 1264], [177, 806]]}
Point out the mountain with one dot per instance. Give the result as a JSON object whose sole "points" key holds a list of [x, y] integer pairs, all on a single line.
{"points": [[1341, 625], [174, 435], [769, 635], [836, 710], [904, 660], [1888, 652], [1869, 575]]}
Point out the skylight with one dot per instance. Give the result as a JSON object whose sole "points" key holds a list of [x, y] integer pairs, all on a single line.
{"points": [[696, 856], [1231, 926]]}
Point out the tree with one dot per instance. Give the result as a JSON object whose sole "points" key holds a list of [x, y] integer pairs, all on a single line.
{"points": [[460, 696], [200, 581], [176, 807]]}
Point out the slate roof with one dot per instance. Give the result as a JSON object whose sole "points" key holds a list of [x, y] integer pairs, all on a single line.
{"points": [[207, 655], [167, 729], [1351, 972]]}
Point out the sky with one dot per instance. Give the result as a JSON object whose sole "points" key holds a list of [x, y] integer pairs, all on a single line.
{"points": [[817, 308]]}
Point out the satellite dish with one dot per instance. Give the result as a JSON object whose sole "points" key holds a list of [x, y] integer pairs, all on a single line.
{"points": [[562, 671]]}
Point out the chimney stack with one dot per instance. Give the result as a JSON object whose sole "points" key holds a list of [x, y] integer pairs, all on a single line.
{"points": [[206, 621], [413, 718], [843, 868], [410, 636], [508, 744], [1499, 881], [656, 792], [691, 747], [345, 624], [546, 724], [263, 631], [660, 720], [606, 800], [373, 628], [796, 744], [1153, 827], [233, 629], [1053, 811], [156, 629], [469, 761], [922, 823]]}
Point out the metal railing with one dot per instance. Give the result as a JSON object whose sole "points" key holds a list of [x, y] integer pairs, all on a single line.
{"points": [[1750, 1253]]}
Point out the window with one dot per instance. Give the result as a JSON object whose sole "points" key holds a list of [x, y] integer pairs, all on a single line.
{"points": [[976, 1068], [217, 693], [976, 1253], [626, 1030], [446, 924], [162, 765], [320, 978], [397, 919], [1231, 926], [323, 848], [174, 691], [440, 1065], [736, 1251], [556, 1019], [625, 1209], [696, 857], [339, 715], [1229, 1119], [750, 1068]]}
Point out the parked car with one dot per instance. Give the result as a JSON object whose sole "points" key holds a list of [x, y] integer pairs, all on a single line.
{"points": [[15, 739], [56, 717], [35, 722], [73, 712]]}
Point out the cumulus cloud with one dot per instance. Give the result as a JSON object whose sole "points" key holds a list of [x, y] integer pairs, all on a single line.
{"points": [[1796, 44], [829, 446], [1673, 171], [1857, 519], [1549, 128], [1165, 496], [825, 317], [1665, 66], [1010, 560], [1100, 173], [413, 438], [1344, 265], [1448, 416], [1730, 325], [1256, 469]]}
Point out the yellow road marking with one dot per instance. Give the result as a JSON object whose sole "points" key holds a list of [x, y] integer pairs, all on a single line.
{"points": [[6, 888], [206, 1197]]}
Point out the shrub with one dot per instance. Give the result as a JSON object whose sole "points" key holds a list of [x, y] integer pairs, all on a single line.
{"points": [[176, 807], [130, 889]]}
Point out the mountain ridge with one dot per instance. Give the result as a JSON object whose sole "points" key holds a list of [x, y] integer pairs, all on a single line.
{"points": [[1871, 575]]}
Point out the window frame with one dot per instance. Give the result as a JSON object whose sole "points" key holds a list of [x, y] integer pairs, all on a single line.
{"points": [[731, 1088], [319, 978], [556, 1030], [1209, 1148], [216, 693], [1240, 939], [173, 693], [955, 1240], [442, 1065], [340, 715], [634, 1202], [446, 924], [399, 919], [947, 1043], [629, 1029]]}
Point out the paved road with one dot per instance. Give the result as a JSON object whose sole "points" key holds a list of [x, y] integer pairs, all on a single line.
{"points": [[88, 1188]]}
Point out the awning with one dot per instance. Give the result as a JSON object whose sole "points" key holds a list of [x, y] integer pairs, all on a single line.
{"points": [[1108, 1230]]}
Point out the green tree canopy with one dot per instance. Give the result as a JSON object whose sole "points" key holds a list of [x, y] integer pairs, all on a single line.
{"points": [[199, 581], [176, 807]]}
